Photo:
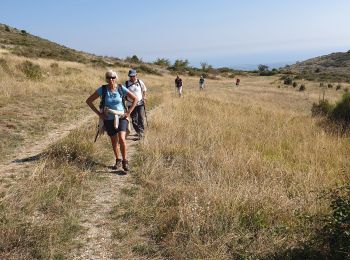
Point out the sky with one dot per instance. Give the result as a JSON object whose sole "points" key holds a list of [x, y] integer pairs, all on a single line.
{"points": [[221, 33]]}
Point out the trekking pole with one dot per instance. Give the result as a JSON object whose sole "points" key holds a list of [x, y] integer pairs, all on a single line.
{"points": [[96, 135], [144, 106]]}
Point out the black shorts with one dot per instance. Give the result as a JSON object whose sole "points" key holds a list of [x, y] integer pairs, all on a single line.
{"points": [[109, 126]]}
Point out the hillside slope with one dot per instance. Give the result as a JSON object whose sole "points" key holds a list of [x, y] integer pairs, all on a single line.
{"points": [[332, 67], [22, 43]]}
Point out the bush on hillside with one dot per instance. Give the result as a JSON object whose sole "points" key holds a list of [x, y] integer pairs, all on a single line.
{"points": [[341, 111], [133, 59], [162, 62], [148, 70], [31, 70], [295, 84], [330, 85], [323, 108], [321, 85], [288, 81], [302, 87], [338, 87]]}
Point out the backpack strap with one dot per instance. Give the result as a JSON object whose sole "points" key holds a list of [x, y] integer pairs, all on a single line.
{"points": [[123, 96], [103, 97]]}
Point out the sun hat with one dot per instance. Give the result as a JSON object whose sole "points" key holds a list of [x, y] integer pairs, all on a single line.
{"points": [[132, 73]]}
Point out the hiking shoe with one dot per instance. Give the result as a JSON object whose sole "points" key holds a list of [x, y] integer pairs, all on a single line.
{"points": [[125, 164], [118, 164], [140, 135]]}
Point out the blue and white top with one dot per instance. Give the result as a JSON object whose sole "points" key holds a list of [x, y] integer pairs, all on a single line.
{"points": [[113, 99]]}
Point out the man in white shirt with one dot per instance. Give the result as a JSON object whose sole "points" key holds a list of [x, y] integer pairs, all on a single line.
{"points": [[138, 88]]}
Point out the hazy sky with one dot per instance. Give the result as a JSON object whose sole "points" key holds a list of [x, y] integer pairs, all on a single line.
{"points": [[220, 32]]}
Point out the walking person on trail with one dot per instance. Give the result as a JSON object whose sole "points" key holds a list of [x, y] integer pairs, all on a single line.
{"points": [[237, 82], [178, 85], [201, 83], [113, 114], [138, 88]]}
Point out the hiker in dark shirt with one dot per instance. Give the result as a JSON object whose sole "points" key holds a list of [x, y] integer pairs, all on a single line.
{"points": [[237, 82], [178, 85]]}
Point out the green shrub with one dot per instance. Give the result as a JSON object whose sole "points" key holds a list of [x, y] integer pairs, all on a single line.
{"points": [[149, 70], [162, 62], [295, 84], [7, 29], [31, 70], [334, 234], [338, 87], [330, 85], [323, 108], [288, 81], [341, 111], [302, 87]]}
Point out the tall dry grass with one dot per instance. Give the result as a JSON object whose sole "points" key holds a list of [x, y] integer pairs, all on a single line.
{"points": [[226, 174], [39, 214]]}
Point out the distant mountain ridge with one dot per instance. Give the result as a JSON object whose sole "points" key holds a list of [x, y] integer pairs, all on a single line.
{"points": [[334, 66]]}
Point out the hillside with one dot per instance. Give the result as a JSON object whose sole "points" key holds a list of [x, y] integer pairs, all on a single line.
{"points": [[331, 67], [22, 43]]}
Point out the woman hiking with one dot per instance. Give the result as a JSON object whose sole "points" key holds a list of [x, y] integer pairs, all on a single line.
{"points": [[112, 96]]}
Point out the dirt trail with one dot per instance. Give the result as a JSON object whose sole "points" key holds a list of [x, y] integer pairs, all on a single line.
{"points": [[97, 241], [20, 163]]}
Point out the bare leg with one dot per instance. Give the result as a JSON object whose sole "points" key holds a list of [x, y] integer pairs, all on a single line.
{"points": [[115, 146], [121, 136]]}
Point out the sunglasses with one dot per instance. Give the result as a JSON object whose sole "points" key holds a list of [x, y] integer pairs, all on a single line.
{"points": [[110, 77]]}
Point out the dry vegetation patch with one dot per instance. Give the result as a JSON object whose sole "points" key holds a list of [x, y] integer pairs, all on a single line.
{"points": [[228, 176]]}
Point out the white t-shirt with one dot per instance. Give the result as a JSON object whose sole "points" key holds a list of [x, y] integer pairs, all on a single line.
{"points": [[136, 89]]}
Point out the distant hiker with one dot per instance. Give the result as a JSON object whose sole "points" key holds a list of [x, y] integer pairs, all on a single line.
{"points": [[178, 85], [201, 83], [138, 88], [111, 104], [237, 82]]}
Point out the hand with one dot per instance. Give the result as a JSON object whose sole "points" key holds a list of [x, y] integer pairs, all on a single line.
{"points": [[102, 116], [126, 115]]}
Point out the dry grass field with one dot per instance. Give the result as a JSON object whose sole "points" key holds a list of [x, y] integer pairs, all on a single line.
{"points": [[226, 173], [237, 172]]}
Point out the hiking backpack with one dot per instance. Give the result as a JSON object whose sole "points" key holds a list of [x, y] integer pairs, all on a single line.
{"points": [[104, 93]]}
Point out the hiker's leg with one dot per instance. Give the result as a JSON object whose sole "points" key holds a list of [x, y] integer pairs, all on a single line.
{"points": [[134, 119], [123, 124], [121, 137], [115, 146], [141, 119]]}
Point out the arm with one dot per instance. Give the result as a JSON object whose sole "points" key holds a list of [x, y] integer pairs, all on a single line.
{"points": [[89, 102], [132, 97], [143, 90]]}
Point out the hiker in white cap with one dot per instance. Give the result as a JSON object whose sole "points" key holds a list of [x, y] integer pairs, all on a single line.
{"points": [[138, 88]]}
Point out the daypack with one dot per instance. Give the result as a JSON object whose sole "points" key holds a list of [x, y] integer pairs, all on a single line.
{"points": [[201, 80], [104, 93], [126, 85]]}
